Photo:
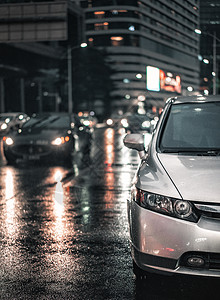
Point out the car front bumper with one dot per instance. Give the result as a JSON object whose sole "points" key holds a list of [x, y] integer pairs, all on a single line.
{"points": [[161, 243], [28, 153]]}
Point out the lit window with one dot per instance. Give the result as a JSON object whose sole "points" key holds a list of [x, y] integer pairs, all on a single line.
{"points": [[99, 14], [117, 40], [91, 40], [101, 26]]}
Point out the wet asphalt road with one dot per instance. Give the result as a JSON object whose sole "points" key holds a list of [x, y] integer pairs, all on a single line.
{"points": [[64, 232]]}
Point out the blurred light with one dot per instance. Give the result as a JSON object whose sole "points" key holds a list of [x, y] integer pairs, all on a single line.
{"points": [[146, 124], [4, 126], [169, 74], [21, 117], [206, 92], [109, 122], [139, 76], [9, 141], [132, 28], [58, 176], [213, 74], [141, 98], [200, 57], [206, 61], [205, 79], [116, 38], [124, 123], [99, 12], [7, 120], [127, 96], [126, 80], [86, 122], [57, 141], [190, 88], [83, 45], [198, 31]]}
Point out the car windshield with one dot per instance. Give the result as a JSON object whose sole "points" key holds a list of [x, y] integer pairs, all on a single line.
{"points": [[192, 127], [50, 122]]}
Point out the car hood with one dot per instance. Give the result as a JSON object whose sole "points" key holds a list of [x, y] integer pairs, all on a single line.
{"points": [[195, 177]]}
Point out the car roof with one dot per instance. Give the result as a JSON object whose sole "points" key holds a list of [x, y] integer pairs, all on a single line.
{"points": [[194, 99]]}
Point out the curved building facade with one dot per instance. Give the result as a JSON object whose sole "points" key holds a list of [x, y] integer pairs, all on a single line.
{"points": [[151, 45]]}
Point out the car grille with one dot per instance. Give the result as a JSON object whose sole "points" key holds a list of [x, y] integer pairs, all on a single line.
{"points": [[212, 260], [31, 149]]}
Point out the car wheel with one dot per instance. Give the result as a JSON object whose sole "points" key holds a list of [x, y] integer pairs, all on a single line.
{"points": [[139, 273]]}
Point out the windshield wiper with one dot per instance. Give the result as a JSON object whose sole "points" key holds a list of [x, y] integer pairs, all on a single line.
{"points": [[191, 151]]}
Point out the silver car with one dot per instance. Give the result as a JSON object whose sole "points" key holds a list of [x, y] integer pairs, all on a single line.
{"points": [[174, 208]]}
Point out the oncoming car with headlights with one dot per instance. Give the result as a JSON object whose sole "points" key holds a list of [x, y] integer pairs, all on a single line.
{"points": [[174, 208], [46, 137]]}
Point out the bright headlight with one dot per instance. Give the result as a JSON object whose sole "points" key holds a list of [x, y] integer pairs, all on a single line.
{"points": [[57, 141], [4, 126], [146, 124], [8, 141], [60, 140], [109, 122], [124, 123], [86, 122], [166, 205]]}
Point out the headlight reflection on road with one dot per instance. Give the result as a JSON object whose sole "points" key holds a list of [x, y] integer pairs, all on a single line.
{"points": [[109, 139], [58, 194], [10, 203]]}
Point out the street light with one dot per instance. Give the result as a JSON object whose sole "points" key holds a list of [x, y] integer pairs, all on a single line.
{"points": [[214, 73], [70, 83]]}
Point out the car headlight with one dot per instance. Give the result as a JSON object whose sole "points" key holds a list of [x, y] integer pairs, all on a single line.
{"points": [[86, 122], [109, 122], [124, 123], [176, 208], [60, 140], [146, 124], [4, 126], [8, 141]]}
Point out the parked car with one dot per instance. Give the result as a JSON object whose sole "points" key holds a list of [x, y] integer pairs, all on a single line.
{"points": [[46, 137], [11, 121], [174, 208]]}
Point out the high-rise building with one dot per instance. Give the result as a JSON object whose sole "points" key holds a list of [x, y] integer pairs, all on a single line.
{"points": [[151, 44], [210, 45]]}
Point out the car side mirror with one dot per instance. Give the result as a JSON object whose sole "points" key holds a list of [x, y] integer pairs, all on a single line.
{"points": [[135, 141]]}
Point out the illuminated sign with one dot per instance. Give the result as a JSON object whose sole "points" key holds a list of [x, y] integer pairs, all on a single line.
{"points": [[159, 80], [153, 79]]}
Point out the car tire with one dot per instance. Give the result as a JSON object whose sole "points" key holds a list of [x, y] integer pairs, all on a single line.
{"points": [[138, 272]]}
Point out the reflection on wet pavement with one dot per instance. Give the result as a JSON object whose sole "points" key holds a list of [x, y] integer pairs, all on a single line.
{"points": [[63, 229]]}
